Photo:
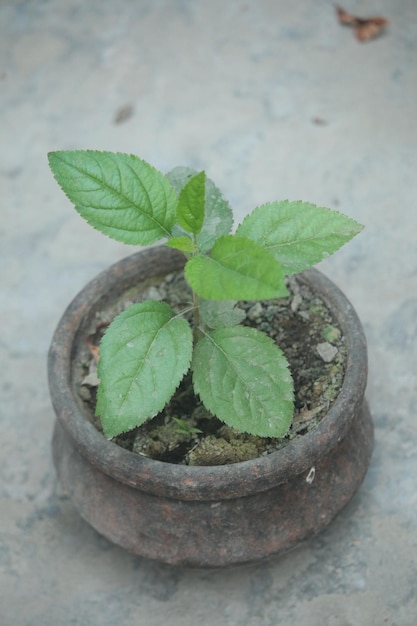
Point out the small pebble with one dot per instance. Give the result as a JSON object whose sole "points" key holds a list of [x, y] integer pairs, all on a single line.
{"points": [[326, 351], [91, 380], [255, 311], [84, 393], [295, 302], [152, 293]]}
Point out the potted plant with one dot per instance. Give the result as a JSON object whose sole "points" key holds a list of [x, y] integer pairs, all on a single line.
{"points": [[206, 347]]}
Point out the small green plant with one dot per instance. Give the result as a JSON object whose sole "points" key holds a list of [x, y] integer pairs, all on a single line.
{"points": [[240, 374], [184, 428]]}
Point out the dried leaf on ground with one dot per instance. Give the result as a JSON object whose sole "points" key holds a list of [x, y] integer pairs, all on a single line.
{"points": [[94, 350], [365, 29], [93, 340]]}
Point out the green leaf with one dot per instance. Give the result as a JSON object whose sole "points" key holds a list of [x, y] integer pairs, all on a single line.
{"points": [[242, 377], [182, 243], [190, 208], [237, 269], [144, 354], [298, 234], [217, 314], [218, 218], [118, 194], [185, 428]]}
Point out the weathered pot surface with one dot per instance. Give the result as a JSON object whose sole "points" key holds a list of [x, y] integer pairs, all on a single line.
{"points": [[207, 516]]}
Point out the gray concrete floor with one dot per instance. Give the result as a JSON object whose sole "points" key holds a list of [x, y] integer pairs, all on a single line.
{"points": [[274, 99]]}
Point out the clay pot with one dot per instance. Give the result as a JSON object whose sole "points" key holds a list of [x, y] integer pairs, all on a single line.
{"points": [[206, 516]]}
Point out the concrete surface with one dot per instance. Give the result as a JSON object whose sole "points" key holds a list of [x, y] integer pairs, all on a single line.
{"points": [[274, 99]]}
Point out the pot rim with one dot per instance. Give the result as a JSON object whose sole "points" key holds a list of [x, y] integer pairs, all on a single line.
{"points": [[201, 482]]}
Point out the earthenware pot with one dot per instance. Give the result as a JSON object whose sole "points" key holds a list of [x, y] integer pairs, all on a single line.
{"points": [[206, 516]]}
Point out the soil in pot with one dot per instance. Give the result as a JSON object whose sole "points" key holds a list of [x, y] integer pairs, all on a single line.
{"points": [[185, 432]]}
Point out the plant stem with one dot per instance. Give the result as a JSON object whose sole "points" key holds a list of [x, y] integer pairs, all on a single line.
{"points": [[196, 304], [197, 319]]}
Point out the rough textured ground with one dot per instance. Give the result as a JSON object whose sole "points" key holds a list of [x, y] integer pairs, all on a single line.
{"points": [[275, 100]]}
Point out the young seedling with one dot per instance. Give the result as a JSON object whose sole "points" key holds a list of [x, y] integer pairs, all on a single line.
{"points": [[184, 428], [240, 374]]}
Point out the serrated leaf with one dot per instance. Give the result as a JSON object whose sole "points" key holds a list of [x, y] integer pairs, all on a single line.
{"points": [[219, 314], [242, 377], [182, 243], [298, 234], [218, 219], [144, 354], [118, 194], [191, 201], [237, 269]]}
